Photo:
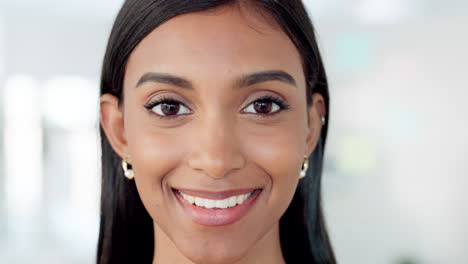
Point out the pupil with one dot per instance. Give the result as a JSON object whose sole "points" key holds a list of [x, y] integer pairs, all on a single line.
{"points": [[170, 108], [263, 107]]}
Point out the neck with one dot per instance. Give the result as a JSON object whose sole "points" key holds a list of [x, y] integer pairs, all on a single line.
{"points": [[265, 250]]}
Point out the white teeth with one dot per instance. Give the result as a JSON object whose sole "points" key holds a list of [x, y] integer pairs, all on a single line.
{"points": [[223, 204], [190, 199], [232, 201], [239, 198], [199, 201], [209, 203]]}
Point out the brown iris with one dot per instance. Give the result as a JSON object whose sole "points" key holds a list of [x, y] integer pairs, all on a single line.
{"points": [[170, 108], [262, 106]]}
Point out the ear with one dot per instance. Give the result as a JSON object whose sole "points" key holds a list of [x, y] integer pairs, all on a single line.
{"points": [[314, 118], [112, 122]]}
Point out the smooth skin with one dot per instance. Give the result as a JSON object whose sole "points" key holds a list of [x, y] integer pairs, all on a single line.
{"points": [[216, 140]]}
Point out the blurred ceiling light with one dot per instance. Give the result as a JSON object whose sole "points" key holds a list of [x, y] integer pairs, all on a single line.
{"points": [[23, 147], [71, 102]]}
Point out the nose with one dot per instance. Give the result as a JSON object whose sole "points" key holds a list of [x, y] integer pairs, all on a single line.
{"points": [[215, 149]]}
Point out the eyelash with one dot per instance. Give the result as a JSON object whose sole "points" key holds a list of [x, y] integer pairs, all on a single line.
{"points": [[280, 102]]}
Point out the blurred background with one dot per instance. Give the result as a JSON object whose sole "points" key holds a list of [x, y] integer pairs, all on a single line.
{"points": [[396, 167]]}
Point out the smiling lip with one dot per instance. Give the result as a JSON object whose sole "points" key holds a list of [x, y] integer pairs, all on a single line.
{"points": [[217, 217], [216, 195]]}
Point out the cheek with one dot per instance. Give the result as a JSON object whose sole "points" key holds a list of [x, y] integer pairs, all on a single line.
{"points": [[153, 150], [154, 155], [279, 153]]}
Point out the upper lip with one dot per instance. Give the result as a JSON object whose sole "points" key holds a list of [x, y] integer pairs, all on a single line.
{"points": [[215, 195]]}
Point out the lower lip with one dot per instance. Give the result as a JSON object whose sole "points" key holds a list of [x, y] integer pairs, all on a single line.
{"points": [[217, 217]]}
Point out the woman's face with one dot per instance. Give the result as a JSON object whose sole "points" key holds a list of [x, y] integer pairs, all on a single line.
{"points": [[214, 108]]}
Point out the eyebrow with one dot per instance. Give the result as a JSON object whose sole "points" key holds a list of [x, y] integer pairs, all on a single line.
{"points": [[243, 81]]}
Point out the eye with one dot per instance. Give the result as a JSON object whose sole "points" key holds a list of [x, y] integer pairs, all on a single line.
{"points": [[167, 108], [267, 105]]}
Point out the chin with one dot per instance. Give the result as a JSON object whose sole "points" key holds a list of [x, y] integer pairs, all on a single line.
{"points": [[215, 254]]}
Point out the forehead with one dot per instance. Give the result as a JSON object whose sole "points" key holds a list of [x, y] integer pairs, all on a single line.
{"points": [[223, 43]]}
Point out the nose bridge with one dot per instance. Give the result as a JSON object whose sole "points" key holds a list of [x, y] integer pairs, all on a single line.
{"points": [[215, 149]]}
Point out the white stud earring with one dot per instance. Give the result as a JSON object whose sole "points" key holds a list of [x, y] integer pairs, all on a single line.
{"points": [[305, 166], [323, 120], [127, 172]]}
